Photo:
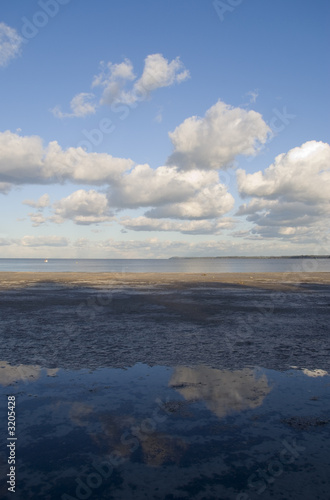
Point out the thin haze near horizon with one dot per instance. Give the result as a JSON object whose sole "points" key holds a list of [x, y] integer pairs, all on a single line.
{"points": [[152, 129]]}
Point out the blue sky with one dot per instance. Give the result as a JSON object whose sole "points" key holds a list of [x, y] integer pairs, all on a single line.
{"points": [[152, 129]]}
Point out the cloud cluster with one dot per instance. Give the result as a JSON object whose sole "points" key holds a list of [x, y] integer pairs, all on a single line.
{"points": [[32, 246], [165, 192], [113, 80], [290, 199], [213, 142], [10, 44], [194, 195], [184, 195], [189, 202], [197, 196]]}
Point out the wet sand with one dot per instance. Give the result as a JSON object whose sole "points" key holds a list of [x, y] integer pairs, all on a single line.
{"points": [[83, 320]]}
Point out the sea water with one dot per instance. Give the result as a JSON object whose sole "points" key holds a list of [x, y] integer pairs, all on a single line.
{"points": [[189, 265]]}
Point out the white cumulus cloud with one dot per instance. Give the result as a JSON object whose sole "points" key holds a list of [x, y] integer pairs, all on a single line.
{"points": [[145, 187], [82, 207], [157, 73], [208, 203], [24, 160], [213, 142], [302, 174], [82, 104], [290, 199], [113, 79]]}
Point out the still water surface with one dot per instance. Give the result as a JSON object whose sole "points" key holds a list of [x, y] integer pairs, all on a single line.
{"points": [[169, 432], [222, 265]]}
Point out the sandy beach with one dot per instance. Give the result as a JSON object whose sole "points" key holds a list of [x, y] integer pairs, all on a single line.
{"points": [[262, 280]]}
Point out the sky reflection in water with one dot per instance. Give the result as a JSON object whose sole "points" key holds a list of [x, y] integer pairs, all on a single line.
{"points": [[169, 433]]}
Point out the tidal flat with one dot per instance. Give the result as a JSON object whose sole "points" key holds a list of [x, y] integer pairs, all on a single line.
{"points": [[167, 386]]}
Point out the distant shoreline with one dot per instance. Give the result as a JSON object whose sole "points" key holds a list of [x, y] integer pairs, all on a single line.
{"points": [[259, 257]]}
